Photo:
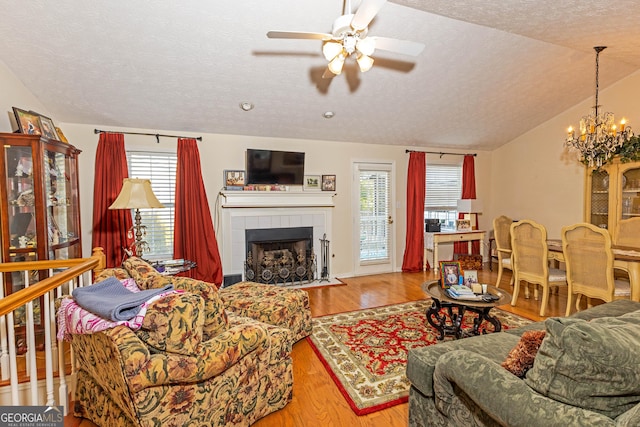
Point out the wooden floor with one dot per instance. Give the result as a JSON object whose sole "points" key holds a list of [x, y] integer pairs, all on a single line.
{"points": [[316, 400]]}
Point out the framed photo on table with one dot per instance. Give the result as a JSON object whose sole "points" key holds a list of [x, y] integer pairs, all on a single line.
{"points": [[328, 183], [450, 272]]}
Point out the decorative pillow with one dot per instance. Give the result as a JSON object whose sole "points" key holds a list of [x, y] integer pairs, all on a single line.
{"points": [[215, 317], [593, 365], [174, 324], [521, 358]]}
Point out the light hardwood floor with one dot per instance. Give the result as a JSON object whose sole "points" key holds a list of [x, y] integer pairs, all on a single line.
{"points": [[316, 400]]}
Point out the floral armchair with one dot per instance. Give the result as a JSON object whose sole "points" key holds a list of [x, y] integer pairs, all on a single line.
{"points": [[192, 363]]}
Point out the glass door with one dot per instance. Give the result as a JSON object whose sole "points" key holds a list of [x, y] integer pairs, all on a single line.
{"points": [[374, 238], [630, 187], [599, 198]]}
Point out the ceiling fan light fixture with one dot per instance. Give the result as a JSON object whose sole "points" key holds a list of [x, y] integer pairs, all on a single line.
{"points": [[336, 64], [364, 62], [331, 49], [366, 46]]}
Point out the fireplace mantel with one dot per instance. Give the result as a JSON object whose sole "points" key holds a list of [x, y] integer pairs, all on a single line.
{"points": [[277, 199]]}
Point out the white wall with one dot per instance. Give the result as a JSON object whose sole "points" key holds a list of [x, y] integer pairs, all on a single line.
{"points": [[534, 177], [15, 94]]}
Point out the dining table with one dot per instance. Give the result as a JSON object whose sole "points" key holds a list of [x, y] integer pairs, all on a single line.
{"points": [[625, 258]]}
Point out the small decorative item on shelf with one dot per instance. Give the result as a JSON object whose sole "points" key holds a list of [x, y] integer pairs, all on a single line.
{"points": [[61, 135], [328, 183]]}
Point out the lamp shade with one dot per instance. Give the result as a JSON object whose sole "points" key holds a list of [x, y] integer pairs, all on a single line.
{"points": [[469, 206], [136, 193]]}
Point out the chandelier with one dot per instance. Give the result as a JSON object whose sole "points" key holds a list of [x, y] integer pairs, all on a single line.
{"points": [[599, 137]]}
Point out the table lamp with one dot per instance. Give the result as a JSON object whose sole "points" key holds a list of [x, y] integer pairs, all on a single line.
{"points": [[470, 208], [137, 194]]}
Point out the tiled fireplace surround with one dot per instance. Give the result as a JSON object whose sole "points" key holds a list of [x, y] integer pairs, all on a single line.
{"points": [[245, 210]]}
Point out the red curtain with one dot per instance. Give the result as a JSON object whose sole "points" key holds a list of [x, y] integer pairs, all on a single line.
{"points": [[110, 226], [414, 247], [194, 237], [468, 192]]}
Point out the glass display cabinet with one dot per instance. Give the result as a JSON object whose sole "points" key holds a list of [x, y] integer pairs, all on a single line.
{"points": [[612, 194], [40, 210]]}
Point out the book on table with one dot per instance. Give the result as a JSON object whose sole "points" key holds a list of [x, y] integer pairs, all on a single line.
{"points": [[462, 292]]}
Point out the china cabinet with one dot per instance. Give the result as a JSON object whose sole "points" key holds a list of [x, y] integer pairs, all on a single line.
{"points": [[40, 209], [612, 194]]}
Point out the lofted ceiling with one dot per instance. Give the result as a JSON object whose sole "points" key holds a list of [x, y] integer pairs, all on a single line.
{"points": [[491, 70]]}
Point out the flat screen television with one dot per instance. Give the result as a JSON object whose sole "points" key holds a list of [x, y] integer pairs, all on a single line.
{"points": [[275, 167]]}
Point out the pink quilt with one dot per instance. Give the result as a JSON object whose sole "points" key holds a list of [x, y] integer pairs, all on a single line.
{"points": [[73, 319]]}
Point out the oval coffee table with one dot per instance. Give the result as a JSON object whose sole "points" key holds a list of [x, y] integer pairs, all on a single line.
{"points": [[451, 324]]}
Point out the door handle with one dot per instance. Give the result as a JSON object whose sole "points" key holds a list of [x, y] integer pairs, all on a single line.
{"points": [[390, 220]]}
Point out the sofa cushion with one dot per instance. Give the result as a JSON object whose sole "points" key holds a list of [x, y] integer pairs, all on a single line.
{"points": [[422, 360], [521, 358], [174, 324], [591, 364]]}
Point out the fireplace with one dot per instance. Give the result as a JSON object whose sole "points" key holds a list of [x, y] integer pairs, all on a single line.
{"points": [[280, 255], [253, 210]]}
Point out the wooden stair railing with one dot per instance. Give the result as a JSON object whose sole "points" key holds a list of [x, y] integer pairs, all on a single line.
{"points": [[14, 366]]}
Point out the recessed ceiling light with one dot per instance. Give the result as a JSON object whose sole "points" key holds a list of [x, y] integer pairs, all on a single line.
{"points": [[328, 114], [246, 106]]}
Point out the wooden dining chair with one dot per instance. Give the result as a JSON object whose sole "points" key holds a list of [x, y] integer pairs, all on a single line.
{"points": [[589, 262], [531, 261], [502, 235]]}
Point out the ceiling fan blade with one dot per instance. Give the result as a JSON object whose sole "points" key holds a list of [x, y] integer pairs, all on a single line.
{"points": [[405, 47], [366, 12], [298, 35]]}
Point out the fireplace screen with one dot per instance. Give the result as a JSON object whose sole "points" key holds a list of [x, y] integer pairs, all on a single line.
{"points": [[280, 255]]}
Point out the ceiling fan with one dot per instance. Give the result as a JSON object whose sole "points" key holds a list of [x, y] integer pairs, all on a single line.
{"points": [[349, 38]]}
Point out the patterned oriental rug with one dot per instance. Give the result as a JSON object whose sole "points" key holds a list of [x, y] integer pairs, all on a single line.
{"points": [[365, 351]]}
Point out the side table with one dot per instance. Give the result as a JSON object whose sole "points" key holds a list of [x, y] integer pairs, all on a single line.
{"points": [[450, 323]]}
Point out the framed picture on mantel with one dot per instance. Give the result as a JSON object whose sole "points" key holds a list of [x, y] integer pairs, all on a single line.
{"points": [[233, 180], [311, 183], [328, 183]]}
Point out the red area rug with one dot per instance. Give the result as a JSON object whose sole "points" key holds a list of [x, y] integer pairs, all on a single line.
{"points": [[365, 351]]}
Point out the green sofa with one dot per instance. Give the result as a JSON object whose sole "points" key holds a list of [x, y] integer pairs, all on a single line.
{"points": [[586, 373]]}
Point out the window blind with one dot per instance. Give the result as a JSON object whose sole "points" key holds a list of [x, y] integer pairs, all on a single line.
{"points": [[443, 187], [160, 168], [374, 215]]}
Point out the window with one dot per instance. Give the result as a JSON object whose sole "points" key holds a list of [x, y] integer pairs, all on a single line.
{"points": [[444, 187], [160, 168]]}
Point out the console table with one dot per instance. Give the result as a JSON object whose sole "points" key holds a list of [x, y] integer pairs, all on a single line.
{"points": [[431, 241]]}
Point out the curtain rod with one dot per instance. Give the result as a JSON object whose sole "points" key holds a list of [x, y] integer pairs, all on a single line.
{"points": [[442, 153], [157, 135]]}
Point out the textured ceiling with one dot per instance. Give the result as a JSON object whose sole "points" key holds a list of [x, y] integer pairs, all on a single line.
{"points": [[490, 71]]}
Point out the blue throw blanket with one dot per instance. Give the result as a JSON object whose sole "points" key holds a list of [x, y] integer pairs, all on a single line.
{"points": [[109, 299]]}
